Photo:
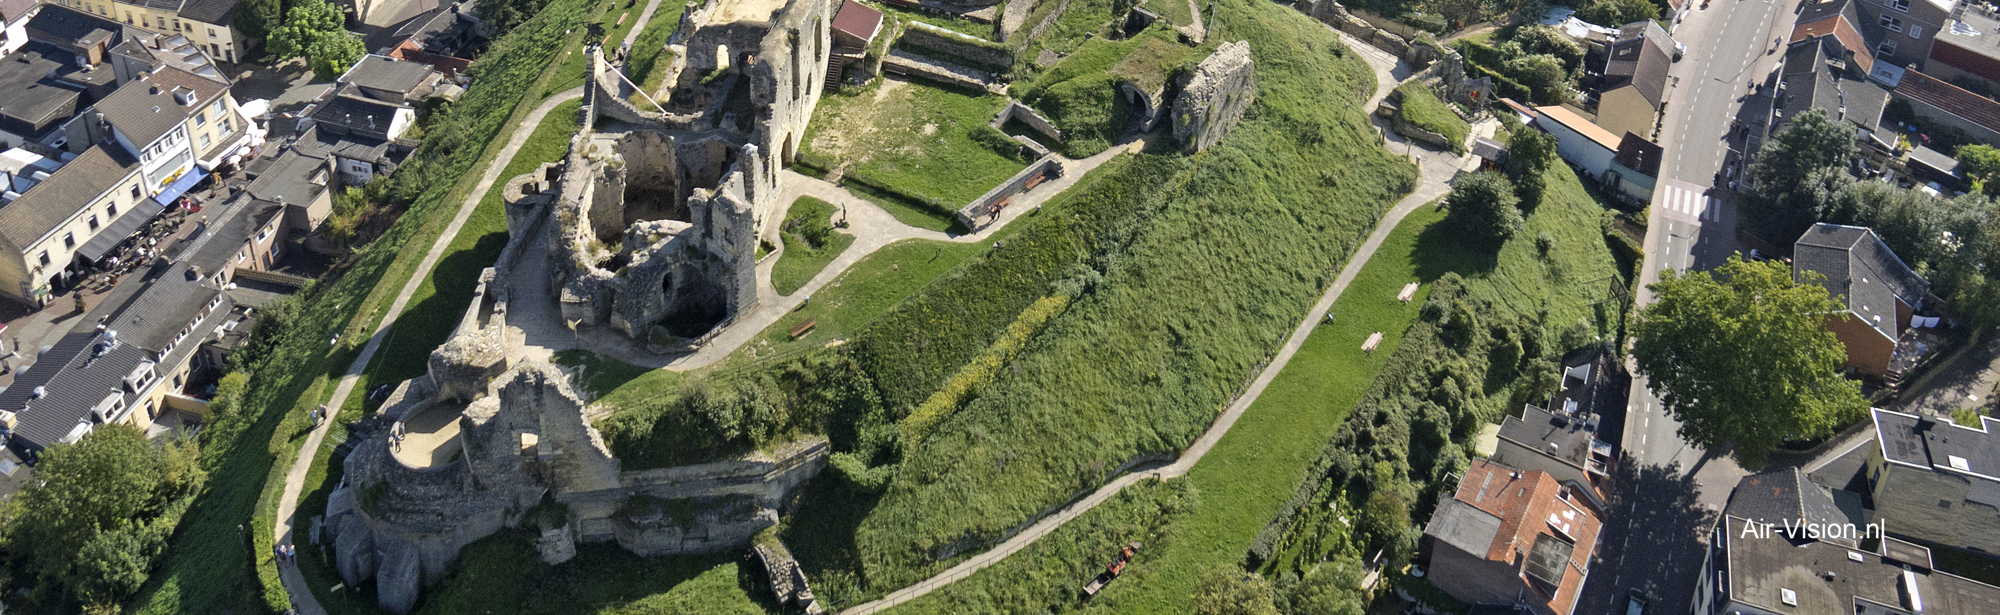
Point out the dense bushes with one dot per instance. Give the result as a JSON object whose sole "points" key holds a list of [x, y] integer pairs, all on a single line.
{"points": [[89, 534], [709, 419]]}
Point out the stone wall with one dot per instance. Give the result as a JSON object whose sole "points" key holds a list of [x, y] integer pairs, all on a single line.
{"points": [[1215, 98], [1333, 14], [983, 211], [1027, 116], [939, 40]]}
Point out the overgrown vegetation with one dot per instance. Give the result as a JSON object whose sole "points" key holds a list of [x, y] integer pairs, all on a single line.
{"points": [[1422, 109], [1080, 94], [502, 574], [810, 243], [87, 536], [650, 58]]}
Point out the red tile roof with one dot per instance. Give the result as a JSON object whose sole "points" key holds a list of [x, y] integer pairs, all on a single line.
{"points": [[858, 20], [1842, 31], [1950, 99], [1530, 505]]}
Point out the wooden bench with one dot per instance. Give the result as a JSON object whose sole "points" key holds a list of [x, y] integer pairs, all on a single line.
{"points": [[804, 328]]}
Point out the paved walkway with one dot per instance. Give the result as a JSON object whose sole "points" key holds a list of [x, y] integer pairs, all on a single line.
{"points": [[545, 333], [1435, 171], [288, 503]]}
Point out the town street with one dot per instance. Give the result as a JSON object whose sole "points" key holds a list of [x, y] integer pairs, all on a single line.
{"points": [[1668, 490]]}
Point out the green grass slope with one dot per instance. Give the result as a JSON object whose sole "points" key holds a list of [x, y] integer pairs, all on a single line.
{"points": [[1206, 287]]}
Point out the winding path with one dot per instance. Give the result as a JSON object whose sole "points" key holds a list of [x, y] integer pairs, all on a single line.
{"points": [[1434, 173]]}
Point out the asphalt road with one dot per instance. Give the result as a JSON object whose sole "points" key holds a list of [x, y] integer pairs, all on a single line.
{"points": [[1667, 489]]}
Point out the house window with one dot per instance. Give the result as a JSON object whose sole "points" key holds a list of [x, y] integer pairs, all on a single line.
{"points": [[1892, 24], [1888, 47], [45, 257], [1900, 5], [204, 140], [93, 223], [1916, 31], [239, 256], [69, 240], [111, 209], [200, 119], [135, 192], [211, 32]]}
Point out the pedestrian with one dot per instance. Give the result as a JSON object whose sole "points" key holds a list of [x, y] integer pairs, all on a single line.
{"points": [[277, 552]]}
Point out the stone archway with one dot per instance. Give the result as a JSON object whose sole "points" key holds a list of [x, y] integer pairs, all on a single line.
{"points": [[790, 146]]}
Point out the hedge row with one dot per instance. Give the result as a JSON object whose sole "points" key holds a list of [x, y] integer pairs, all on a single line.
{"points": [[911, 350], [982, 368]]}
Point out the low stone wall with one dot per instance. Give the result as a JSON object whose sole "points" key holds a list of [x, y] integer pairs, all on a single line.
{"points": [[1333, 14], [912, 65], [1028, 117], [932, 38], [984, 210]]}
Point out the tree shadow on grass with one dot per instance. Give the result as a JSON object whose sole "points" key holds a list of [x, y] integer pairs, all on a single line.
{"points": [[1445, 247]]}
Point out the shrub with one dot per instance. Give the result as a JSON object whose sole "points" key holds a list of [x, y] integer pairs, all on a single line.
{"points": [[946, 400], [1483, 205]]}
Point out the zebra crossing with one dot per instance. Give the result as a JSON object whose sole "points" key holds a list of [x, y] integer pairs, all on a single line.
{"points": [[1688, 202]]}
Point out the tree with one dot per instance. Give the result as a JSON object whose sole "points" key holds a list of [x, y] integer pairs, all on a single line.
{"points": [[1981, 164], [1529, 154], [1331, 588], [333, 53], [1484, 206], [1618, 12], [1542, 73], [1231, 591], [1543, 39], [304, 24], [1746, 360], [90, 532], [1797, 173], [255, 19]]}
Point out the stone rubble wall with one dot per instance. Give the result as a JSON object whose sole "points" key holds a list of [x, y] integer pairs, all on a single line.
{"points": [[912, 65], [1028, 117], [957, 44], [1215, 97], [978, 214]]}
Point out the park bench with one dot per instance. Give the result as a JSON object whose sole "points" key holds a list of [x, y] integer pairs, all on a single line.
{"points": [[804, 328]]}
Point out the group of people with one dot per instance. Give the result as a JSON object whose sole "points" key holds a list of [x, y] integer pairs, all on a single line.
{"points": [[285, 552]]}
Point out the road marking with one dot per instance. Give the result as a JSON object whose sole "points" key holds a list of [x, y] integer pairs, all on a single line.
{"points": [[1642, 438]]}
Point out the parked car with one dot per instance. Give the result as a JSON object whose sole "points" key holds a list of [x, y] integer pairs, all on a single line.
{"points": [[1635, 602]]}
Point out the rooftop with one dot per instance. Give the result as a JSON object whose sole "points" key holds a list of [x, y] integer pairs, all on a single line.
{"points": [[383, 73], [1840, 20], [46, 206], [1640, 58], [1786, 498], [11, 10], [1504, 514], [34, 97], [1950, 99], [1941, 445], [1815, 78], [235, 222], [292, 178], [74, 376], [347, 112], [1863, 270], [67, 26], [146, 109], [1569, 119], [858, 20], [1822, 578], [218, 12]]}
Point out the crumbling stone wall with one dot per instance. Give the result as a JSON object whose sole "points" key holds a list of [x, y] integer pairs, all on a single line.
{"points": [[939, 40], [1215, 97], [529, 435]]}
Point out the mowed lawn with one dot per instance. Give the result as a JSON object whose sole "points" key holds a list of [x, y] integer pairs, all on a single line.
{"points": [[914, 137]]}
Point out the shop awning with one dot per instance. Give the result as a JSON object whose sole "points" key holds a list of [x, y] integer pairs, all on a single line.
{"points": [[127, 223], [180, 186]]}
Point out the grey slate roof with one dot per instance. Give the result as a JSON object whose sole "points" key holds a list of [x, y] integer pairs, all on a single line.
{"points": [[346, 113], [145, 109], [218, 12], [150, 310], [68, 26], [1826, 580], [44, 207], [1464, 526], [233, 226], [1859, 267], [1810, 83], [1941, 445], [11, 10], [33, 97], [390, 75], [1785, 496], [1640, 58], [73, 378], [290, 179]]}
